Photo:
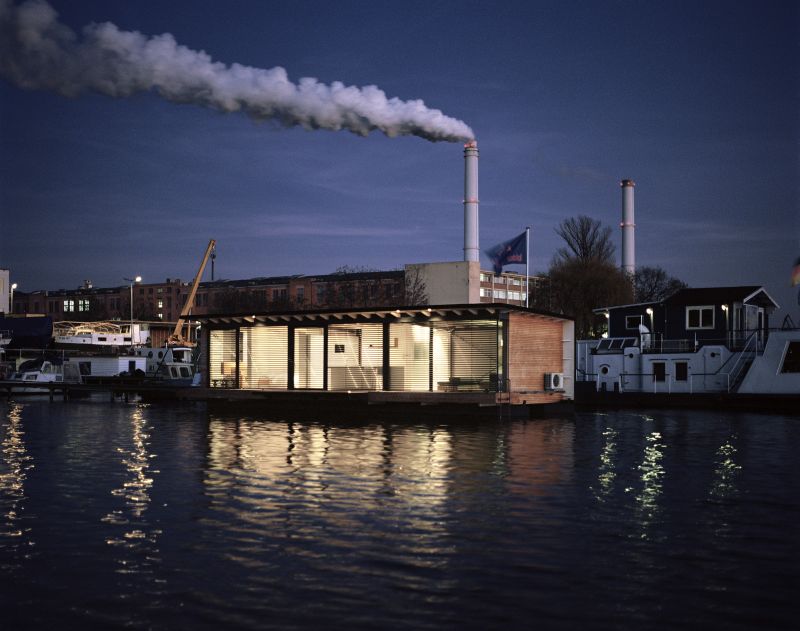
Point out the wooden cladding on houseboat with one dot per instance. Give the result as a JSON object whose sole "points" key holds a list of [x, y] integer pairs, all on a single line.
{"points": [[534, 349]]}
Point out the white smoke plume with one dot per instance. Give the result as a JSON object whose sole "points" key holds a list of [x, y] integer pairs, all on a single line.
{"points": [[39, 52]]}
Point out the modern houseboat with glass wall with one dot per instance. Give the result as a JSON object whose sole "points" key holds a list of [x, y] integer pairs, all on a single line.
{"points": [[481, 354]]}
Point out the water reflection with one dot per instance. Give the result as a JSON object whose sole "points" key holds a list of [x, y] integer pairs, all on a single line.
{"points": [[132, 532], [652, 474], [539, 456], [16, 462], [726, 472], [606, 471], [322, 496], [257, 458]]}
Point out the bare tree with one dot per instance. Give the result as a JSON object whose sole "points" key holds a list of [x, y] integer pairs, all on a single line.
{"points": [[583, 275], [587, 240], [652, 284], [354, 269], [578, 287], [415, 290]]}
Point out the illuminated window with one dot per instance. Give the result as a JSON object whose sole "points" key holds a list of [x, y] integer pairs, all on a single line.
{"points": [[83, 305], [69, 305], [160, 304]]}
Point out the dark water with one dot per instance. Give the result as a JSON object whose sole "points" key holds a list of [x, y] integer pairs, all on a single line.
{"points": [[123, 515]]}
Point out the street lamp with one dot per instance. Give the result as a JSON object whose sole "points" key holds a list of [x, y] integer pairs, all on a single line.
{"points": [[138, 279], [727, 323], [11, 306]]}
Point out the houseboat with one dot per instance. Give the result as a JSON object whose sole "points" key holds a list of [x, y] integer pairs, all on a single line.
{"points": [[700, 342], [468, 357]]}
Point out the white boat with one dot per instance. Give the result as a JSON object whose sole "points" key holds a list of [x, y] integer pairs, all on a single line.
{"points": [[35, 376], [119, 349], [172, 364], [107, 336]]}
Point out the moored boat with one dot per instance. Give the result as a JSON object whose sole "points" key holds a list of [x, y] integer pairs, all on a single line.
{"points": [[36, 376]]}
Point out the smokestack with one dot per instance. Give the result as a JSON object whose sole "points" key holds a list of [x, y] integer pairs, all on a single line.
{"points": [[471, 251], [627, 224]]}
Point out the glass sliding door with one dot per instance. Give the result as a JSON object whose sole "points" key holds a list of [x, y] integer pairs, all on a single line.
{"points": [[264, 357], [355, 357], [409, 356], [309, 359], [222, 359], [467, 356]]}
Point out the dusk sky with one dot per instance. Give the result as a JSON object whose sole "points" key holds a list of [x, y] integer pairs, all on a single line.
{"points": [[697, 102]]}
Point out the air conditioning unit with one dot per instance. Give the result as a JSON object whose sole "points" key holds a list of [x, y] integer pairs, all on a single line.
{"points": [[554, 381]]}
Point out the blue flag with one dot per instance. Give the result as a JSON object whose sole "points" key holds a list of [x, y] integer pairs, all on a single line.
{"points": [[509, 252]]}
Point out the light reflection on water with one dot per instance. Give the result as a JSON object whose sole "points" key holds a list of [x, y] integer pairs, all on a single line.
{"points": [[131, 530], [176, 518], [652, 474], [726, 471], [607, 470], [14, 468]]}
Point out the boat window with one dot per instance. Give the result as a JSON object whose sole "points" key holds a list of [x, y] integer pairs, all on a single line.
{"points": [[174, 372], [603, 345], [700, 317], [791, 360], [30, 377], [659, 371], [185, 372], [681, 371], [629, 341], [633, 322], [616, 343]]}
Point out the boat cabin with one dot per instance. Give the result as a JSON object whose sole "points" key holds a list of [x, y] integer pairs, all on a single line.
{"points": [[693, 317]]}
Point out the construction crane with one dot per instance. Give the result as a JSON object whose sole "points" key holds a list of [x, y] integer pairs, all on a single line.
{"points": [[177, 335]]}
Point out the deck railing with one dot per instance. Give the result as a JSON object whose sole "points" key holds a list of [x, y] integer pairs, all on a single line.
{"points": [[649, 343]]}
